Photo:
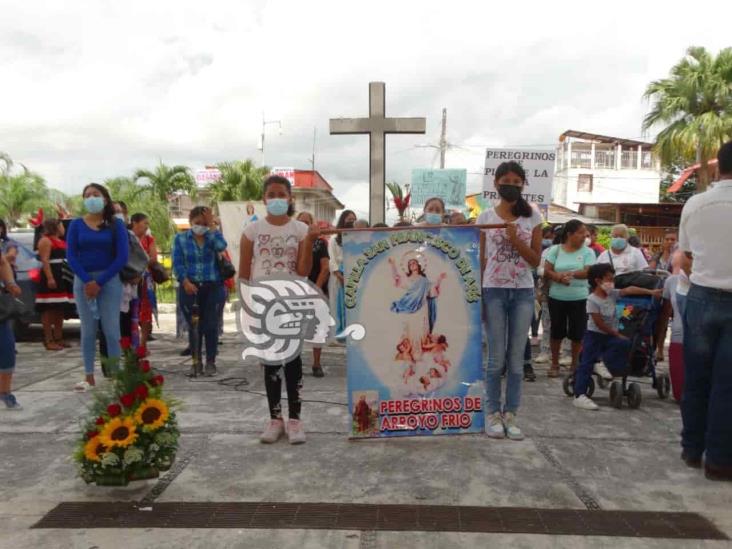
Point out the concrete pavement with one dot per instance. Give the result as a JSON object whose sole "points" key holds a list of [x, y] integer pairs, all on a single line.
{"points": [[571, 459]]}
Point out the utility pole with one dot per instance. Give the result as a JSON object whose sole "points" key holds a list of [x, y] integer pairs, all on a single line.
{"points": [[443, 139], [265, 123], [312, 158]]}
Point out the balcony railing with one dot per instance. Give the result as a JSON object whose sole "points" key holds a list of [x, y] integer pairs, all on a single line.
{"points": [[605, 158]]}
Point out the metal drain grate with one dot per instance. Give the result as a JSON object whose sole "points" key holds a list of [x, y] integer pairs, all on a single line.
{"points": [[349, 516]]}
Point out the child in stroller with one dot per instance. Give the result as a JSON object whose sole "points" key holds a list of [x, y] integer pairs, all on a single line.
{"points": [[605, 337]]}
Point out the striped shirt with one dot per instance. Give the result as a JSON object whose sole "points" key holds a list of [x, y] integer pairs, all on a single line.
{"points": [[194, 262]]}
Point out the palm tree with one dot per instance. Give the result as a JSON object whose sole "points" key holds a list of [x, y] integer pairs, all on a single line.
{"points": [[140, 200], [20, 193], [165, 180], [695, 105], [240, 180]]}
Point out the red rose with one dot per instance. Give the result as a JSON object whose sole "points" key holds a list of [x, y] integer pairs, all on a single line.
{"points": [[141, 391], [91, 434], [141, 351], [145, 366], [127, 400], [114, 410], [157, 380], [100, 420], [125, 343]]}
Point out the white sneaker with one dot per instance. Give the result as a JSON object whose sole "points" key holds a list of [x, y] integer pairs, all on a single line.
{"points": [[275, 429], [543, 358], [82, 387], [494, 428], [295, 431], [512, 430], [601, 370], [583, 402], [565, 361]]}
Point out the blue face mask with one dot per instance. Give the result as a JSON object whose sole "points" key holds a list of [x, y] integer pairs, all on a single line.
{"points": [[432, 218], [618, 243], [546, 242], [277, 206], [94, 204], [199, 230]]}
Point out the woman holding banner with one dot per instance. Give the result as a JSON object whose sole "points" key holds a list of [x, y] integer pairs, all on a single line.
{"points": [[507, 257]]}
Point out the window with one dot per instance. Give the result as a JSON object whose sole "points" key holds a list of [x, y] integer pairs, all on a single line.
{"points": [[584, 183]]}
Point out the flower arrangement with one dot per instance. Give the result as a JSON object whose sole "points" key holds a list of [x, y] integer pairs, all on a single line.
{"points": [[132, 432]]}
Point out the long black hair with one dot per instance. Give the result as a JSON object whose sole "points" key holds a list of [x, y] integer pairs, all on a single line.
{"points": [[3, 230], [570, 227], [341, 223], [108, 211], [521, 208]]}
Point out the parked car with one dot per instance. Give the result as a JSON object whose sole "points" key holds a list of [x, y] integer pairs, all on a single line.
{"points": [[28, 273]]}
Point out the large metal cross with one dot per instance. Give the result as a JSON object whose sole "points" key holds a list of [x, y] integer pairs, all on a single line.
{"points": [[377, 126]]}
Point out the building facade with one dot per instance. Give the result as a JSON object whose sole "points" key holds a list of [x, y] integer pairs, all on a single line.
{"points": [[600, 169], [312, 193]]}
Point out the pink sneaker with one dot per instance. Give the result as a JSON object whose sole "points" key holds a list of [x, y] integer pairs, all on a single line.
{"points": [[295, 431], [275, 429]]}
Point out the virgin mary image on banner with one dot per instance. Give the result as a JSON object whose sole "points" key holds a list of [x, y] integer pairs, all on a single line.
{"points": [[420, 352]]}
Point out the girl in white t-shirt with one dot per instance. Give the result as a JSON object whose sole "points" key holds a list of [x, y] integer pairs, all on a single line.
{"points": [[507, 258], [270, 246]]}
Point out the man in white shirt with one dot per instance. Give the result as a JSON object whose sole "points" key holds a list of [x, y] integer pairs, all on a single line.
{"points": [[706, 406]]}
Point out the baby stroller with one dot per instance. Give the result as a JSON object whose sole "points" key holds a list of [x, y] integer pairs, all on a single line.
{"points": [[637, 319]]}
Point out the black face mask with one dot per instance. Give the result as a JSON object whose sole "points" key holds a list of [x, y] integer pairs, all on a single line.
{"points": [[509, 193]]}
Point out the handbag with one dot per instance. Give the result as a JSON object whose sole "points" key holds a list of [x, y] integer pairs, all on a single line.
{"points": [[226, 267], [137, 261], [11, 307], [158, 272]]}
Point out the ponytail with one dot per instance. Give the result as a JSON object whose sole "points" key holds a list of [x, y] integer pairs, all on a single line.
{"points": [[522, 208]]}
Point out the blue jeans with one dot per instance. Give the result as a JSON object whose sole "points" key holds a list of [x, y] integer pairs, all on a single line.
{"points": [[211, 298], [595, 346], [7, 348], [706, 404], [109, 301], [508, 314]]}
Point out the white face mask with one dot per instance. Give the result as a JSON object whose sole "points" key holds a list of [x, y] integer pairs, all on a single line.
{"points": [[608, 286], [120, 216], [588, 241]]}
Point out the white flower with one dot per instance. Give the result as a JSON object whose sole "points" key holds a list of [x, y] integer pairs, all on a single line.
{"points": [[110, 459], [133, 454]]}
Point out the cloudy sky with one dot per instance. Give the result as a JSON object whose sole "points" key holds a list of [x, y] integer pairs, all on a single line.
{"points": [[95, 89]]}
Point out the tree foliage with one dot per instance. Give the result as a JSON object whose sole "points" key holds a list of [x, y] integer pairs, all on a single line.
{"points": [[22, 191], [694, 104], [165, 180], [240, 180], [144, 200]]}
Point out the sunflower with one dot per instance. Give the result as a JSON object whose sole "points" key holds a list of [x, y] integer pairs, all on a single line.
{"points": [[94, 449], [152, 414], [119, 431]]}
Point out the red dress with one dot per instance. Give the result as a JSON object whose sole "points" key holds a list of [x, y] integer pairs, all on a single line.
{"points": [[147, 284], [61, 297]]}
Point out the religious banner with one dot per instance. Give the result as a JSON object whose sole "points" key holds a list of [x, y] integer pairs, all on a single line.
{"points": [[449, 185], [539, 167], [416, 294]]}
